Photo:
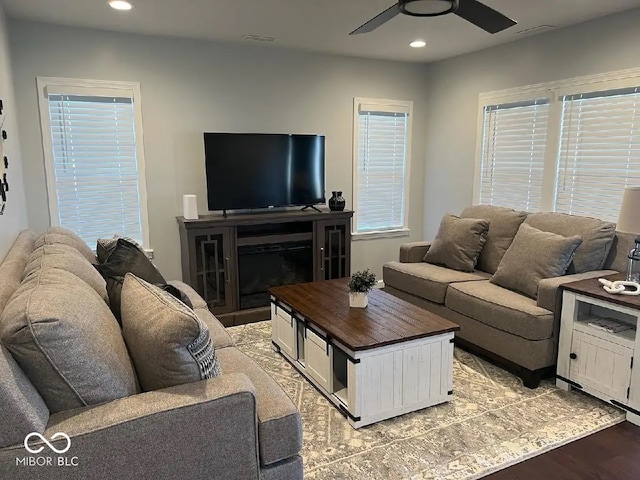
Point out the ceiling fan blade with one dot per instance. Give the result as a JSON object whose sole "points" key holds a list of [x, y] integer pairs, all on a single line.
{"points": [[377, 21], [484, 17]]}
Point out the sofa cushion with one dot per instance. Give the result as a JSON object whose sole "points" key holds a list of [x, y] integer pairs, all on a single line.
{"points": [[597, 237], [501, 308], [532, 256], [168, 343], [458, 243], [196, 300], [219, 335], [13, 265], [67, 341], [51, 238], [503, 226], [425, 280], [23, 410], [126, 257], [69, 259], [279, 423]]}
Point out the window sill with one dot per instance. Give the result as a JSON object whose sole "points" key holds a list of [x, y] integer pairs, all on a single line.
{"points": [[401, 232]]}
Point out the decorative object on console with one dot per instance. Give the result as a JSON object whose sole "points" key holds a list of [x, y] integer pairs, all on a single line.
{"points": [[359, 287], [337, 202], [620, 287], [629, 222], [190, 207]]}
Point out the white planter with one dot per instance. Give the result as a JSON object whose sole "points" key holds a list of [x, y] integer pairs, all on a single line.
{"points": [[358, 300]]}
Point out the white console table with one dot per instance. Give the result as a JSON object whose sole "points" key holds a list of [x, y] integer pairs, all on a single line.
{"points": [[595, 361]]}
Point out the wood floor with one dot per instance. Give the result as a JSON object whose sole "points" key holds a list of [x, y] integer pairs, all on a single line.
{"points": [[613, 454]]}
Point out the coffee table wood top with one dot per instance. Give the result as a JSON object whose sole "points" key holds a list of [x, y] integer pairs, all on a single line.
{"points": [[385, 321]]}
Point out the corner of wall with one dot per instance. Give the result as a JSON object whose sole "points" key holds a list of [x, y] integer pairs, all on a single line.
{"points": [[14, 218]]}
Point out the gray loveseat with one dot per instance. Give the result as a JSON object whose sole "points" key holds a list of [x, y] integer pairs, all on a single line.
{"points": [[240, 425], [511, 329]]}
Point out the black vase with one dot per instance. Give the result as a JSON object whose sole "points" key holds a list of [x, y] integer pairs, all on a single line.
{"points": [[337, 202]]}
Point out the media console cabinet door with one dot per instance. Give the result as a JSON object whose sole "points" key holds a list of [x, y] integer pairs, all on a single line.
{"points": [[212, 267], [333, 243]]}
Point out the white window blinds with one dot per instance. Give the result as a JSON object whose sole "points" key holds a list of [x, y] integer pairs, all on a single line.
{"points": [[599, 152], [95, 165], [513, 151], [381, 168]]}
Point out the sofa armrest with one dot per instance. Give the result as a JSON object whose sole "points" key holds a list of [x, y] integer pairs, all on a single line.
{"points": [[413, 252], [549, 288], [196, 300], [191, 431]]}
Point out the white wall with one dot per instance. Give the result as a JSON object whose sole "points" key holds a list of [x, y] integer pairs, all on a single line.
{"points": [[15, 214], [603, 45], [189, 87]]}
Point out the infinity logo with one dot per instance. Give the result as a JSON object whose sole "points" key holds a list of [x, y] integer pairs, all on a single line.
{"points": [[53, 437]]}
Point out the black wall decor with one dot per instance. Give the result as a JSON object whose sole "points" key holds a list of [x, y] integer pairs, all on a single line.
{"points": [[4, 164]]}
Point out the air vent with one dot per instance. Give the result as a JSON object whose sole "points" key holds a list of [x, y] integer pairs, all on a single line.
{"points": [[258, 38], [536, 30]]}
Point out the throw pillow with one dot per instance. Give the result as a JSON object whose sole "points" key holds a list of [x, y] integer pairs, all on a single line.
{"points": [[104, 247], [503, 226], [125, 257], [532, 256], [597, 237], [168, 343], [458, 243], [64, 337]]}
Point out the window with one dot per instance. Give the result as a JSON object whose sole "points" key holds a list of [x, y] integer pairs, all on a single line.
{"points": [[570, 146], [513, 147], [382, 140], [599, 151], [92, 141]]}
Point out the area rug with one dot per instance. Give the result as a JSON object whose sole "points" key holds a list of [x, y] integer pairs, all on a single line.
{"points": [[493, 422]]}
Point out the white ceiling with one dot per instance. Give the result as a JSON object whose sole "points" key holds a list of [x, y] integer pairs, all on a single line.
{"points": [[316, 25]]}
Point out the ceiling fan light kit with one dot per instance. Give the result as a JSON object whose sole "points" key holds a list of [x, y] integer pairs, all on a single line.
{"points": [[427, 8]]}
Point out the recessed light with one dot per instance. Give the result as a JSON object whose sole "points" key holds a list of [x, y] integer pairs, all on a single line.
{"points": [[418, 44], [120, 4]]}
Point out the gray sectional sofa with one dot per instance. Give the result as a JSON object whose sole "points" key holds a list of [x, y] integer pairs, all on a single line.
{"points": [[518, 332], [240, 425]]}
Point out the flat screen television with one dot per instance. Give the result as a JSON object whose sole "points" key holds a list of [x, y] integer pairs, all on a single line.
{"points": [[261, 170]]}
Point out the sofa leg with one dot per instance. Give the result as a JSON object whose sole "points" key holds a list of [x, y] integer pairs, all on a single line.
{"points": [[531, 378]]}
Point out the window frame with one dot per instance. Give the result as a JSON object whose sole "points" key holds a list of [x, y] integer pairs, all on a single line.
{"points": [[72, 86], [402, 107], [554, 91]]}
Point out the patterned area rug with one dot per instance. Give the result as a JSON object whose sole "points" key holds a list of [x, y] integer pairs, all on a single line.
{"points": [[493, 422]]}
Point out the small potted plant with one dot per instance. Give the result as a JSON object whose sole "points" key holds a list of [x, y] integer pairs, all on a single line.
{"points": [[359, 286]]}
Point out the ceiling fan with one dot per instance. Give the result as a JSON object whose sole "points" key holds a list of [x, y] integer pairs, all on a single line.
{"points": [[472, 11]]}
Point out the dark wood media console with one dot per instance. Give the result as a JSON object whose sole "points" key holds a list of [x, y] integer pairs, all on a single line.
{"points": [[232, 261]]}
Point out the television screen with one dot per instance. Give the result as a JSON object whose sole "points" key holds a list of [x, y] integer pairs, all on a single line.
{"points": [[258, 170]]}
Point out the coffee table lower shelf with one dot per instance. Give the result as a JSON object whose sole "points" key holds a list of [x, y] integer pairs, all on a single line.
{"points": [[367, 386]]}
